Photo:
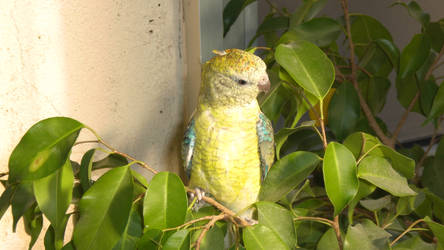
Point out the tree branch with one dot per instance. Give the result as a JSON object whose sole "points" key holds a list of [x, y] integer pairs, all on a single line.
{"points": [[365, 108], [207, 227], [414, 100], [406, 231]]}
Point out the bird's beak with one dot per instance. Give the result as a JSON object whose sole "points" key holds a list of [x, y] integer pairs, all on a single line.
{"points": [[264, 84]]}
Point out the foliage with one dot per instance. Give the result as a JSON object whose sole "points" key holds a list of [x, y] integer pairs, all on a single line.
{"points": [[337, 184]]}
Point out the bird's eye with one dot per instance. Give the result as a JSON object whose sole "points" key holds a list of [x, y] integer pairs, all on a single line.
{"points": [[242, 82]]}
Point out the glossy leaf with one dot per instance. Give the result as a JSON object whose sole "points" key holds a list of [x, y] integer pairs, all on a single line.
{"points": [[364, 190], [286, 174], [43, 149], [213, 239], [110, 161], [390, 50], [150, 239], [53, 194], [22, 200], [433, 174], [232, 11], [413, 243], [5, 199], [281, 136], [344, 110], [339, 169], [309, 233], [408, 204], [438, 104], [436, 33], [320, 31], [328, 241], [85, 169], [306, 11], [366, 235], [376, 204], [307, 65], [178, 240], [437, 229], [104, 210], [33, 222], [278, 220], [366, 29], [379, 172], [414, 55], [375, 61], [49, 239], [165, 202], [132, 232], [416, 12], [406, 90], [374, 90], [261, 237], [428, 90]]}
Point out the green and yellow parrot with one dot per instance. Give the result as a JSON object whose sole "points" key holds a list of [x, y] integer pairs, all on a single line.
{"points": [[228, 145]]}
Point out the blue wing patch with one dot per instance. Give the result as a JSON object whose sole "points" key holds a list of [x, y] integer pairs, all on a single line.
{"points": [[188, 143], [266, 143]]}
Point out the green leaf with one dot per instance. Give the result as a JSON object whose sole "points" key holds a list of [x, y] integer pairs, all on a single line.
{"points": [[286, 174], [438, 104], [407, 204], [132, 232], [416, 12], [378, 171], [309, 233], [282, 135], [341, 181], [406, 90], [43, 149], [372, 146], [269, 28], [22, 200], [261, 237], [54, 193], [85, 169], [375, 61], [366, 236], [344, 110], [307, 10], [213, 239], [320, 31], [104, 210], [390, 50], [307, 65], [374, 90], [232, 11], [179, 240], [5, 199], [273, 103], [49, 239], [33, 222], [436, 33], [328, 241], [150, 239], [366, 29], [413, 243], [414, 55], [278, 220], [365, 189], [437, 229], [428, 90], [165, 202], [376, 204], [433, 174], [110, 161]]}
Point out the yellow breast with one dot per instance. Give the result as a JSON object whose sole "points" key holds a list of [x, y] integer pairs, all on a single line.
{"points": [[226, 159]]}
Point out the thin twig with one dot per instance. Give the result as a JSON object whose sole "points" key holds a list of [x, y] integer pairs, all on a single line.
{"points": [[338, 231], [207, 227], [364, 106], [414, 100], [358, 67], [83, 142], [406, 231], [209, 217], [426, 152], [318, 219], [273, 7], [238, 220], [4, 174]]}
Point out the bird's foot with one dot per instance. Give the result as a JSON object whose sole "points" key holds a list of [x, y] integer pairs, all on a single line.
{"points": [[249, 220], [199, 193]]}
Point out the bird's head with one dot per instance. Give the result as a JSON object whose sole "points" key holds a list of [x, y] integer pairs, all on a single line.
{"points": [[233, 77]]}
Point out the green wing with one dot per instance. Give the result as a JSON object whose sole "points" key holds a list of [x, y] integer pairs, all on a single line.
{"points": [[188, 143], [266, 143]]}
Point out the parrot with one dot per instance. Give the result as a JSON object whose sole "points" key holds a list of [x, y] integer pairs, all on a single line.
{"points": [[228, 145]]}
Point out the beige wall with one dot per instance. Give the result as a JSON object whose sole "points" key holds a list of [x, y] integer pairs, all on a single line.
{"points": [[117, 66]]}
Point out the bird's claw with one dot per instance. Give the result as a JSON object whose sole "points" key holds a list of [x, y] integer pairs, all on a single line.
{"points": [[250, 221], [198, 192]]}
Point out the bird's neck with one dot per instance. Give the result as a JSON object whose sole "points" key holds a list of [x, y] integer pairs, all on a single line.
{"points": [[245, 111]]}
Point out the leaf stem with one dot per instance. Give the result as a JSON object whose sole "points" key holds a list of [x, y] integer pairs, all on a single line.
{"points": [[338, 232], [207, 227], [317, 219], [324, 137], [209, 217], [406, 231]]}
